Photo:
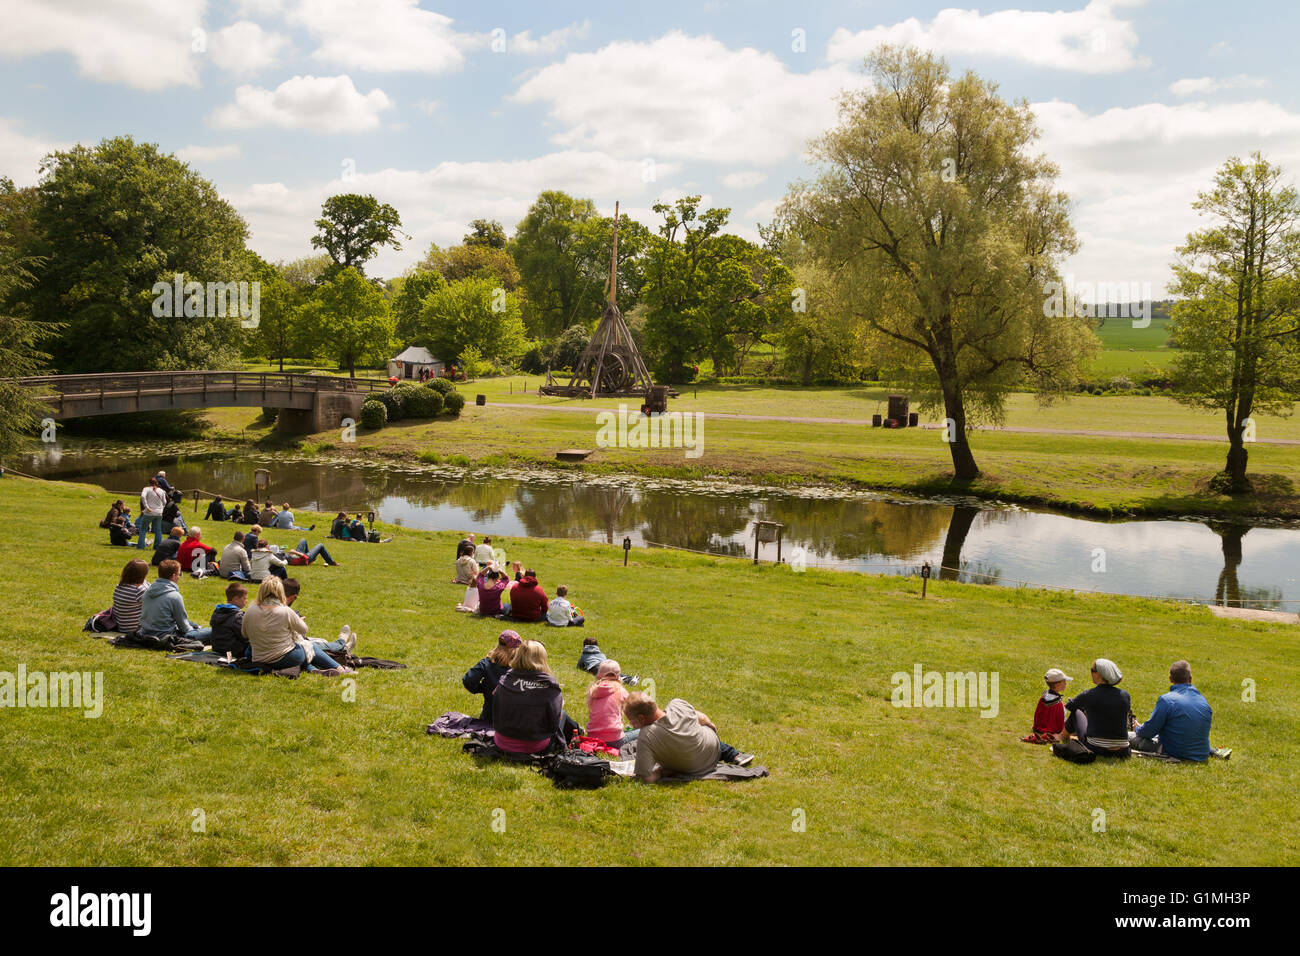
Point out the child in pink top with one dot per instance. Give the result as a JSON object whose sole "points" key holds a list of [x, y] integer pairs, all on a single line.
{"points": [[605, 706]]}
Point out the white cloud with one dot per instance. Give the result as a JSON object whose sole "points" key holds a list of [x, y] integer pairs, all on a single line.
{"points": [[382, 36], [1133, 173], [686, 97], [1209, 84], [746, 179], [143, 44], [1091, 40], [322, 104], [438, 204], [244, 48], [207, 154], [21, 154], [551, 42], [428, 107]]}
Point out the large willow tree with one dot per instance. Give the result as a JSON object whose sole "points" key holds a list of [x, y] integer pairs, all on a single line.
{"points": [[942, 232]]}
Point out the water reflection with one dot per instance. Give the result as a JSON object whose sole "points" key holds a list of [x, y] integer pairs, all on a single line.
{"points": [[966, 542]]}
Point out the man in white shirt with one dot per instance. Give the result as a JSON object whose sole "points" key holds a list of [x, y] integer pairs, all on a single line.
{"points": [[483, 554], [679, 739], [152, 501]]}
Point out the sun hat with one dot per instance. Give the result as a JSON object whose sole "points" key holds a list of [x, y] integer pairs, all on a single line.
{"points": [[1056, 674]]}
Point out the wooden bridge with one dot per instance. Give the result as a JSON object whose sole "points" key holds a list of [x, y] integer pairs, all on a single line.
{"points": [[308, 403]]}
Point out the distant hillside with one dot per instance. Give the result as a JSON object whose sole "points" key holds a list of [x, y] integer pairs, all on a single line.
{"points": [[1119, 333]]}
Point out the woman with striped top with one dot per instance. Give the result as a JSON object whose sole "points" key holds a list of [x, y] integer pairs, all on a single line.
{"points": [[128, 594]]}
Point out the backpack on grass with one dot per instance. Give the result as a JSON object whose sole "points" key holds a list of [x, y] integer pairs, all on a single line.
{"points": [[576, 770]]}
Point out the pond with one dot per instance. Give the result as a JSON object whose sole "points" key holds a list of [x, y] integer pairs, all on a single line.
{"points": [[1246, 564]]}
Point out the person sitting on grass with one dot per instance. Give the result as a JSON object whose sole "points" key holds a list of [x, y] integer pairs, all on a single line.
{"points": [[1049, 715], [250, 513], [466, 545], [216, 510], [266, 517], [527, 600], [128, 596], [278, 636], [339, 527], [484, 676], [466, 570], [284, 520], [528, 707], [162, 610], [228, 621], [491, 583], [303, 554], [188, 554], [678, 739], [171, 516], [560, 613], [340, 648], [263, 563], [120, 531], [168, 549], [234, 561], [1179, 727], [605, 707], [484, 554], [357, 529], [1099, 717], [117, 512]]}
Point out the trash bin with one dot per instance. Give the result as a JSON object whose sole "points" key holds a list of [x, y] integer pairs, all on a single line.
{"points": [[875, 421], [913, 419], [480, 399]]}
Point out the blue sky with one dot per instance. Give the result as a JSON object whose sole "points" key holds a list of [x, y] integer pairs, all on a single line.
{"points": [[452, 111]]}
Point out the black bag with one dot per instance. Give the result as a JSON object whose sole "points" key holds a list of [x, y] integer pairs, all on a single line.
{"points": [[1073, 751], [574, 769]]}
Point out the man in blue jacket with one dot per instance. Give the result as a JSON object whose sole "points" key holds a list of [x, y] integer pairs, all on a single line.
{"points": [[162, 610], [1180, 725]]}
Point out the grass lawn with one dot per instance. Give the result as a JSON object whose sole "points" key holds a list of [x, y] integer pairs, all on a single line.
{"points": [[291, 772]]}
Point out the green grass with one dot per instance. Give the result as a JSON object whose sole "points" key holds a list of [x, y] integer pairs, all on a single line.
{"points": [[290, 772]]}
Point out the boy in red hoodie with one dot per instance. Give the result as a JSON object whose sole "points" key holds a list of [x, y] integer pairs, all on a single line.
{"points": [[1049, 715], [527, 600]]}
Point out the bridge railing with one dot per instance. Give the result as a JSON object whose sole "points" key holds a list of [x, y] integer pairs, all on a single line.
{"points": [[127, 383]]}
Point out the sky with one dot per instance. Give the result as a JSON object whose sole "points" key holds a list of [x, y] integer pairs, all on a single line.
{"points": [[458, 111]]}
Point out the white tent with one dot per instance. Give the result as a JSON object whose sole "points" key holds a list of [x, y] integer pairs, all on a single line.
{"points": [[412, 361]]}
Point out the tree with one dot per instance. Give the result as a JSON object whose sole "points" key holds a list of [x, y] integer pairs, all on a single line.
{"points": [[485, 232], [20, 338], [562, 248], [408, 304], [279, 331], [943, 233], [306, 272], [353, 228], [474, 312], [350, 321], [1236, 323], [709, 293], [110, 221], [460, 262]]}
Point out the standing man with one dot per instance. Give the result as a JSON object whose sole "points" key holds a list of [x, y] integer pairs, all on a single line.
{"points": [[152, 501], [1180, 725]]}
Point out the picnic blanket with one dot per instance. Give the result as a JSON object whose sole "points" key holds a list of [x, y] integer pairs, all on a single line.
{"points": [[461, 726], [147, 642], [243, 665], [621, 768]]}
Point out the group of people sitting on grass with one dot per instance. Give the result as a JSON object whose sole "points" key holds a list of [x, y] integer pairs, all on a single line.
{"points": [[354, 530], [523, 702], [268, 633], [489, 591], [1100, 722], [247, 557]]}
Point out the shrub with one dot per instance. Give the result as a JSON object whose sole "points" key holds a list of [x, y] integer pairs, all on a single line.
{"points": [[392, 400], [421, 403], [454, 401], [270, 414], [536, 360], [374, 413], [443, 385]]}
